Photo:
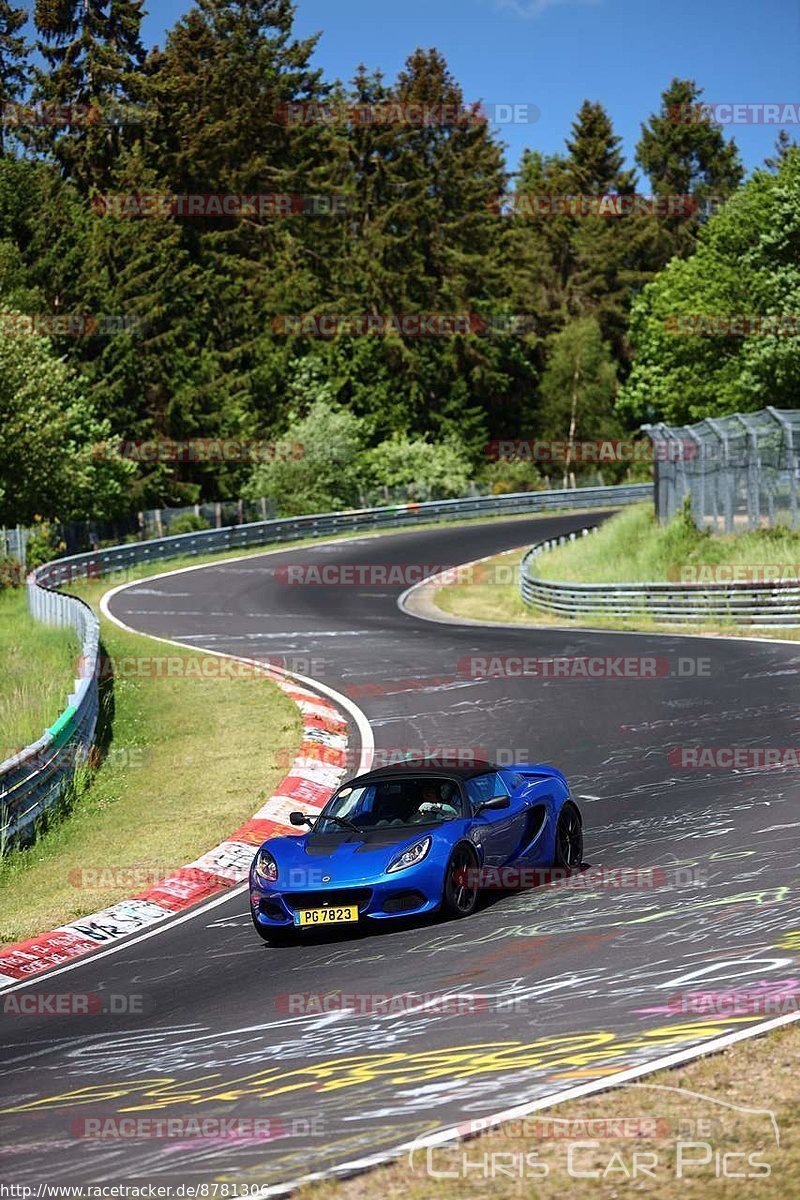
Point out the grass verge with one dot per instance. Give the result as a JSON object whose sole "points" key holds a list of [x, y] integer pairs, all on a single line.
{"points": [[709, 1141], [38, 671], [633, 548], [630, 547]]}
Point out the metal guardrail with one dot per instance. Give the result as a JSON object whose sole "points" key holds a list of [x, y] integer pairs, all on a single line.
{"points": [[34, 779], [289, 529], [740, 603]]}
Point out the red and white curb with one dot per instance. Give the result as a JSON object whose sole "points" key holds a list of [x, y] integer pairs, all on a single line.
{"points": [[313, 776]]}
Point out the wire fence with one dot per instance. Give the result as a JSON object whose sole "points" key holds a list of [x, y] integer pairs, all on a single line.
{"points": [[741, 471]]}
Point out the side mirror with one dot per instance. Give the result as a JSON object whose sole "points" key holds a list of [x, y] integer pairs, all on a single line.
{"points": [[299, 818], [493, 804]]}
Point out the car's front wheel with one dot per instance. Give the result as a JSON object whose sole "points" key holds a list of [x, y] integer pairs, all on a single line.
{"points": [[274, 936], [460, 895], [569, 838]]}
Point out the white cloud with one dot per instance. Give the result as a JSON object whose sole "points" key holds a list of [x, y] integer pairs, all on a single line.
{"points": [[534, 8]]}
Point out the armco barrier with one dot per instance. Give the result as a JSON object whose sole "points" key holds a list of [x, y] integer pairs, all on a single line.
{"points": [[33, 780], [740, 603], [292, 529]]}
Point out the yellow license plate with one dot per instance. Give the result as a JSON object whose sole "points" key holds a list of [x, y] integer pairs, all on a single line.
{"points": [[326, 916]]}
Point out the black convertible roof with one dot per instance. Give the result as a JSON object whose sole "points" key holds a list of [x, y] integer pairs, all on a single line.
{"points": [[432, 766]]}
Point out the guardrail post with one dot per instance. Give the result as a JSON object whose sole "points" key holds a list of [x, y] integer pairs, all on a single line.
{"points": [[788, 434], [753, 473], [721, 433]]}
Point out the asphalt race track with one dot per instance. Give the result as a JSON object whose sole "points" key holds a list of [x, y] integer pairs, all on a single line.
{"points": [[575, 983]]}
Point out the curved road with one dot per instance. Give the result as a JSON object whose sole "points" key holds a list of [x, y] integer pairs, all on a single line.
{"points": [[563, 985]]}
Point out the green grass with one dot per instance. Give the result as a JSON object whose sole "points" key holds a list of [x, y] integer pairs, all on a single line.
{"points": [[487, 601], [632, 547], [37, 672]]}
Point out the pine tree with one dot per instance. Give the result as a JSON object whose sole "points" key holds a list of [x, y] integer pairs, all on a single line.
{"points": [[158, 374], [220, 90], [595, 159], [427, 239], [783, 145], [94, 56], [591, 260], [683, 153], [14, 70]]}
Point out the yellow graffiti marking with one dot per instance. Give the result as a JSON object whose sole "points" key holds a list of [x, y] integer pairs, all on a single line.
{"points": [[569, 1051]]}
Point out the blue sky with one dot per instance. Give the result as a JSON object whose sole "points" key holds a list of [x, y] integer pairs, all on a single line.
{"points": [[555, 53]]}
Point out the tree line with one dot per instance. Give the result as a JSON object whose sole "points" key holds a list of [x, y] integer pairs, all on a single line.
{"points": [[179, 320]]}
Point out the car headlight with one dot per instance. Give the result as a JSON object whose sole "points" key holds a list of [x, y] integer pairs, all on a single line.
{"points": [[266, 869], [410, 857]]}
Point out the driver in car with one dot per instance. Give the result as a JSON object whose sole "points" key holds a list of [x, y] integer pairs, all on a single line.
{"points": [[437, 802]]}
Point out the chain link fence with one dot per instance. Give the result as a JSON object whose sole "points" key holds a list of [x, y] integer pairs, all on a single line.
{"points": [[741, 471]]}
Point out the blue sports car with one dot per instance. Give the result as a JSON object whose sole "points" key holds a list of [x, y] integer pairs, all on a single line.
{"points": [[411, 839]]}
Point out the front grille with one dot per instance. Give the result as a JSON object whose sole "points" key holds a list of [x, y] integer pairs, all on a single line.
{"points": [[334, 898]]}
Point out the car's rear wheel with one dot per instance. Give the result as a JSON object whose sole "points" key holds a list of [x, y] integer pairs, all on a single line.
{"points": [[569, 838], [460, 895]]}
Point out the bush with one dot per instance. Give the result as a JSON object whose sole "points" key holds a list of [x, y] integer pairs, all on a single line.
{"points": [[424, 468], [507, 475], [12, 573], [325, 477], [43, 544], [187, 523]]}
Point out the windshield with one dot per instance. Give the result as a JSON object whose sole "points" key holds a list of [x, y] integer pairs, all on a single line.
{"points": [[392, 803]]}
